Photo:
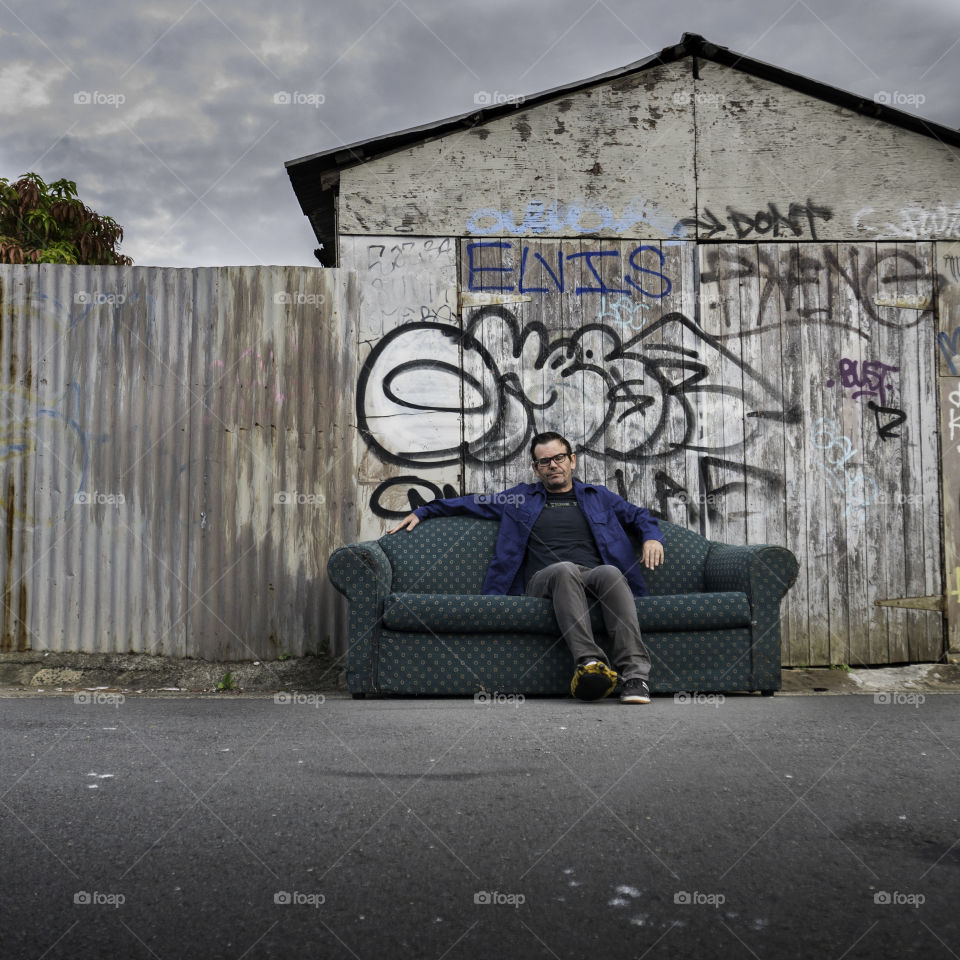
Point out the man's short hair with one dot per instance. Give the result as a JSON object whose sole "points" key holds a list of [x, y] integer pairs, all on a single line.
{"points": [[548, 437]]}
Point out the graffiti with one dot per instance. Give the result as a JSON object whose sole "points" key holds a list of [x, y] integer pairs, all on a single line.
{"points": [[429, 394], [950, 347], [810, 285], [591, 260], [40, 435], [953, 262], [800, 218], [869, 381], [413, 495], [916, 223], [954, 422], [623, 310], [886, 429], [712, 493], [846, 479], [559, 217]]}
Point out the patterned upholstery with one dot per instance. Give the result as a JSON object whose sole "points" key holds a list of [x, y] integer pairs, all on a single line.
{"points": [[453, 613], [449, 556], [530, 664], [418, 623]]}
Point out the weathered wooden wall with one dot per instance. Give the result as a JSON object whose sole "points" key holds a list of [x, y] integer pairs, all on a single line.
{"points": [[948, 342], [178, 460], [754, 391]]}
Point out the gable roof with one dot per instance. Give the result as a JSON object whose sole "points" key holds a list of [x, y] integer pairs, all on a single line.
{"points": [[312, 176]]}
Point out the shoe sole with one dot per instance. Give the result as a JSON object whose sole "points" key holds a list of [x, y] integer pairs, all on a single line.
{"points": [[593, 683], [634, 699]]}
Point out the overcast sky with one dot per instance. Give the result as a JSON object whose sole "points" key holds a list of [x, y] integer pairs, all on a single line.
{"points": [[166, 114]]}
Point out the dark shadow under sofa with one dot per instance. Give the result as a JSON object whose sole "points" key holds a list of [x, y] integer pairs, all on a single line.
{"points": [[419, 624]]}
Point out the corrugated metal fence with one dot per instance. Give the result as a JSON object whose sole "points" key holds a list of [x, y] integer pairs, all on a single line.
{"points": [[176, 465]]}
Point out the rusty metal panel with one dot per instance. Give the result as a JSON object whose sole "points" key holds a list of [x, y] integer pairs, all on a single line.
{"points": [[153, 420]]}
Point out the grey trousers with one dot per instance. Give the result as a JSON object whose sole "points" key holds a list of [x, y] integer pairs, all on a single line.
{"points": [[567, 585]]}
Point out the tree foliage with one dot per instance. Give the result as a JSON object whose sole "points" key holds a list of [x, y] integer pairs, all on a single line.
{"points": [[48, 223]]}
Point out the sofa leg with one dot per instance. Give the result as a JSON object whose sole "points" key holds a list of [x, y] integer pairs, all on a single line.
{"points": [[767, 693], [358, 696]]}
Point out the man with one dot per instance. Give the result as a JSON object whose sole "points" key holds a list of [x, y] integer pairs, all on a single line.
{"points": [[563, 539]]}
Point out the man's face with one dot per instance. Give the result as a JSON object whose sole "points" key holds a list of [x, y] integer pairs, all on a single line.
{"points": [[556, 477]]}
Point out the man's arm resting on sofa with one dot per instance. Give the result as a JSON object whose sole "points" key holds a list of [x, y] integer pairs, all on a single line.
{"points": [[470, 506]]}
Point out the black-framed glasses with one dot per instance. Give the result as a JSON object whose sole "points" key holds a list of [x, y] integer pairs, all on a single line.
{"points": [[546, 461]]}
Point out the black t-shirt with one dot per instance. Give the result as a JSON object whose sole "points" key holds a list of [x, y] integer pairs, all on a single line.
{"points": [[561, 532]]}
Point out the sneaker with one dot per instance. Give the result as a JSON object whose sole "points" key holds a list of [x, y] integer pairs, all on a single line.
{"points": [[592, 680], [635, 691]]}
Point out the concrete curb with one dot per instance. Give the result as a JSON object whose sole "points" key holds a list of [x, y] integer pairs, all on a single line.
{"points": [[52, 672]]}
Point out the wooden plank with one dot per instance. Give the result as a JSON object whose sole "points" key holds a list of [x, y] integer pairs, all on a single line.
{"points": [[900, 456], [948, 342], [927, 483], [842, 465], [796, 612], [568, 411], [676, 464], [869, 506], [763, 437], [822, 448], [691, 302], [590, 344]]}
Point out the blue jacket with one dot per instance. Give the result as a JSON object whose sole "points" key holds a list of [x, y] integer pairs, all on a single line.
{"points": [[517, 509]]}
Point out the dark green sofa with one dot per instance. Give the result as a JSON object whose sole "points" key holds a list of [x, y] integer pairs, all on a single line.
{"points": [[419, 624]]}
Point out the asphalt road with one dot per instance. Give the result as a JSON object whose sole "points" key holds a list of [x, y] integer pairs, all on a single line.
{"points": [[239, 827]]}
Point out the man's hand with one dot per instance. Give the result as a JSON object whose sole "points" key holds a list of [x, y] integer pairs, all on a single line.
{"points": [[411, 520], [652, 554]]}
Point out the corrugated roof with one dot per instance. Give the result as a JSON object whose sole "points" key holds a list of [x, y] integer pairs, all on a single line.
{"points": [[312, 175]]}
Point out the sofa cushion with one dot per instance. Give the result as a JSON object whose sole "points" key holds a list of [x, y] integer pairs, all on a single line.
{"points": [[472, 613]]}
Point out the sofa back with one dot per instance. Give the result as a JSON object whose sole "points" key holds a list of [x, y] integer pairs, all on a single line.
{"points": [[442, 555], [450, 555]]}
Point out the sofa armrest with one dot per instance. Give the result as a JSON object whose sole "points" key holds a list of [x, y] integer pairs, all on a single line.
{"points": [[361, 571], [363, 574], [764, 573]]}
